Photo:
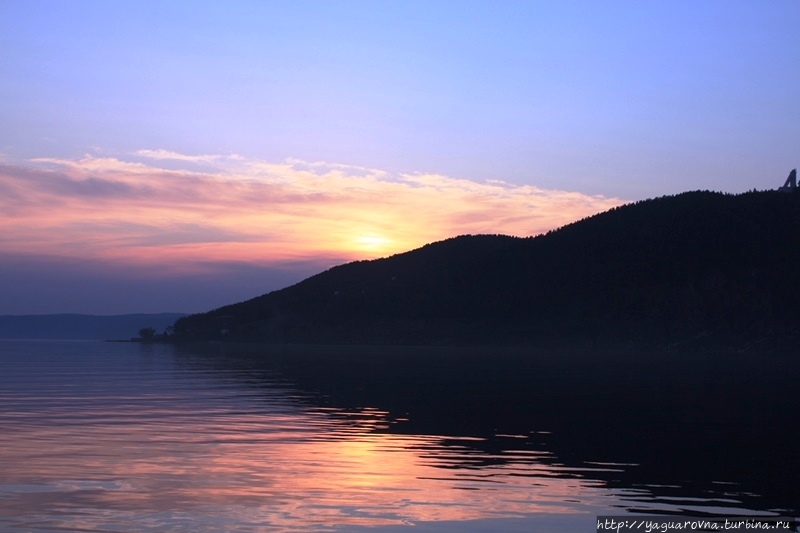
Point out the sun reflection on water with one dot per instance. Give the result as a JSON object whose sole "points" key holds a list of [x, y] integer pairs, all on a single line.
{"points": [[92, 458], [126, 440]]}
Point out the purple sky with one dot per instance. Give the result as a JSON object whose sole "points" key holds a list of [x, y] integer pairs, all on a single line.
{"points": [[179, 156]]}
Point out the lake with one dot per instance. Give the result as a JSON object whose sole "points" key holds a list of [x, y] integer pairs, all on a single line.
{"points": [[129, 437]]}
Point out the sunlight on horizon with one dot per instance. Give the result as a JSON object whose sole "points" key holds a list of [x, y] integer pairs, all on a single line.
{"points": [[373, 243], [128, 213]]}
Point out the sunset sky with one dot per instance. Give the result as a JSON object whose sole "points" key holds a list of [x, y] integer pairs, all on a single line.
{"points": [[179, 156]]}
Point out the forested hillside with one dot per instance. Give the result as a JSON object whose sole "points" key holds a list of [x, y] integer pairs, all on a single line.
{"points": [[693, 270]]}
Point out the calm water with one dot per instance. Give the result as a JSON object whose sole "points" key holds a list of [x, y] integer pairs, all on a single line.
{"points": [[135, 438]]}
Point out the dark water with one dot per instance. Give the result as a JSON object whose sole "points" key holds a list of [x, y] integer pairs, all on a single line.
{"points": [[128, 437]]}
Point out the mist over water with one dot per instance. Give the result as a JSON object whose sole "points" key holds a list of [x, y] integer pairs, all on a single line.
{"points": [[130, 437]]}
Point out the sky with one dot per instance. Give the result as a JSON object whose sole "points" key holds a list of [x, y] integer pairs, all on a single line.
{"points": [[180, 156]]}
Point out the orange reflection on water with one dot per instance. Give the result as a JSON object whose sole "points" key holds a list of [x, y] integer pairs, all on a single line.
{"points": [[285, 468]]}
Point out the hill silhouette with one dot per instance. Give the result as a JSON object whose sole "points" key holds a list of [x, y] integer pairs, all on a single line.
{"points": [[699, 269]]}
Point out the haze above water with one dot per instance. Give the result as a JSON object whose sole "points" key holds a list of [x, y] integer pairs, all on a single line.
{"points": [[129, 437]]}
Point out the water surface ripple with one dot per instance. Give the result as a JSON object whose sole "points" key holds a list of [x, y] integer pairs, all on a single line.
{"points": [[127, 437]]}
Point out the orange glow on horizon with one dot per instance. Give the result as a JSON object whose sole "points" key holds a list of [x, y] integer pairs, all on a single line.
{"points": [[256, 212]]}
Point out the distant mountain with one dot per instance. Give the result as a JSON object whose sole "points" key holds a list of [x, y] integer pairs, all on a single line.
{"points": [[699, 269], [88, 327]]}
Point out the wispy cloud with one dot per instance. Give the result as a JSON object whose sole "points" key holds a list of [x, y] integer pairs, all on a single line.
{"points": [[136, 212], [161, 155]]}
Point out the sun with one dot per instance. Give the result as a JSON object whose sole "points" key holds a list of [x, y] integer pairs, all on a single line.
{"points": [[373, 243]]}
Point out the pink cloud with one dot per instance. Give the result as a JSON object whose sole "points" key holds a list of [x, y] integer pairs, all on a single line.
{"points": [[254, 211]]}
